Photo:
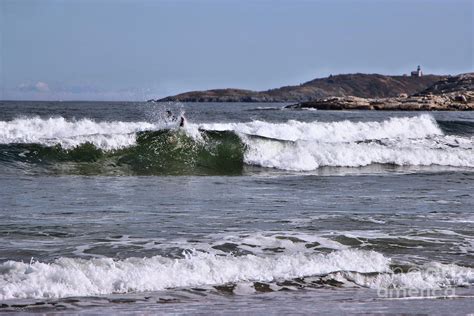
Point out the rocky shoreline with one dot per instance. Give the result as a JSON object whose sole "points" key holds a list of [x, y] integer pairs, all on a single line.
{"points": [[358, 85], [449, 94]]}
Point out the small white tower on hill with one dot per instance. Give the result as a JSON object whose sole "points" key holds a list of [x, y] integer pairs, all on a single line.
{"points": [[417, 72]]}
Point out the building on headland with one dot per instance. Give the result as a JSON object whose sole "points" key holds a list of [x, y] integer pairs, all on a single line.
{"points": [[417, 72]]}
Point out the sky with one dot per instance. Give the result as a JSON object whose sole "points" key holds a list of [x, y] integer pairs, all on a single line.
{"points": [[141, 49]]}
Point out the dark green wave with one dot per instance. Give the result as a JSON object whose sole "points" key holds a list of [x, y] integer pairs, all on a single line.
{"points": [[164, 152], [462, 128]]}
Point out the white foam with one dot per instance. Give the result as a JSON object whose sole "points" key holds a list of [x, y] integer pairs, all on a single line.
{"points": [[428, 276], [287, 242], [68, 133], [298, 146], [81, 277], [341, 131], [310, 155], [411, 141]]}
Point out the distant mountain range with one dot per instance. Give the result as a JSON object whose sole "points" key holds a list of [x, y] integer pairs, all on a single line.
{"points": [[358, 85]]}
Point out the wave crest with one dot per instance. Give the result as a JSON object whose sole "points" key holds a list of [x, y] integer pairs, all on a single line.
{"points": [[336, 132], [70, 134], [80, 277], [351, 267]]}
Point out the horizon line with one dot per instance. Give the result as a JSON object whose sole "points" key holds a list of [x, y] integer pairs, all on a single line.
{"points": [[211, 89]]}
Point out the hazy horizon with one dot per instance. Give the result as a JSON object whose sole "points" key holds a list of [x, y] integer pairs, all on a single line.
{"points": [[210, 88], [138, 50]]}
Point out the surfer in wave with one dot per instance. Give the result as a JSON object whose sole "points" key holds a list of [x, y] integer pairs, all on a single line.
{"points": [[171, 118]]}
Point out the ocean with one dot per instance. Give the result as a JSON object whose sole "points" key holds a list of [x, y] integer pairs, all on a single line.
{"points": [[111, 207]]}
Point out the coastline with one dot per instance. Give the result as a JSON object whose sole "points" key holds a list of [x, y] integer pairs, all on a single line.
{"points": [[412, 103], [453, 93], [357, 84], [450, 94]]}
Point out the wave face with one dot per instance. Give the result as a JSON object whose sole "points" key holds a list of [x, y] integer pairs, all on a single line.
{"points": [[89, 147], [165, 152]]}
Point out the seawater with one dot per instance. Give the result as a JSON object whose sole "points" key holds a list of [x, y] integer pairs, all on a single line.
{"points": [[110, 207]]}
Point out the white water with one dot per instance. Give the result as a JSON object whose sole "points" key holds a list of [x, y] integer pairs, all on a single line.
{"points": [[58, 130], [298, 146], [79, 277], [406, 141], [336, 132], [307, 155], [428, 276]]}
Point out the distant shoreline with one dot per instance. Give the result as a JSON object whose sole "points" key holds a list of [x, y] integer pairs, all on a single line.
{"points": [[356, 92], [358, 85], [449, 94]]}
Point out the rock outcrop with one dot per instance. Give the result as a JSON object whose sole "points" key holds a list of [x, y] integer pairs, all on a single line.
{"points": [[449, 94], [359, 85]]}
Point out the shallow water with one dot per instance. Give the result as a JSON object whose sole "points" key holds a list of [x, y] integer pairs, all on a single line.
{"points": [[108, 207]]}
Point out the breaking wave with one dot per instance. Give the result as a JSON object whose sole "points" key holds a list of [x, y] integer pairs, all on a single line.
{"points": [[89, 147], [81, 277], [336, 132], [69, 134]]}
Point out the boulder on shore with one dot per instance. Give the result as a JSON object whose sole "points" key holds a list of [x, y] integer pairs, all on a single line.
{"points": [[449, 94]]}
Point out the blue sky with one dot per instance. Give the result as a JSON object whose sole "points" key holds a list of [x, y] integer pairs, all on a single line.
{"points": [[139, 49]]}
